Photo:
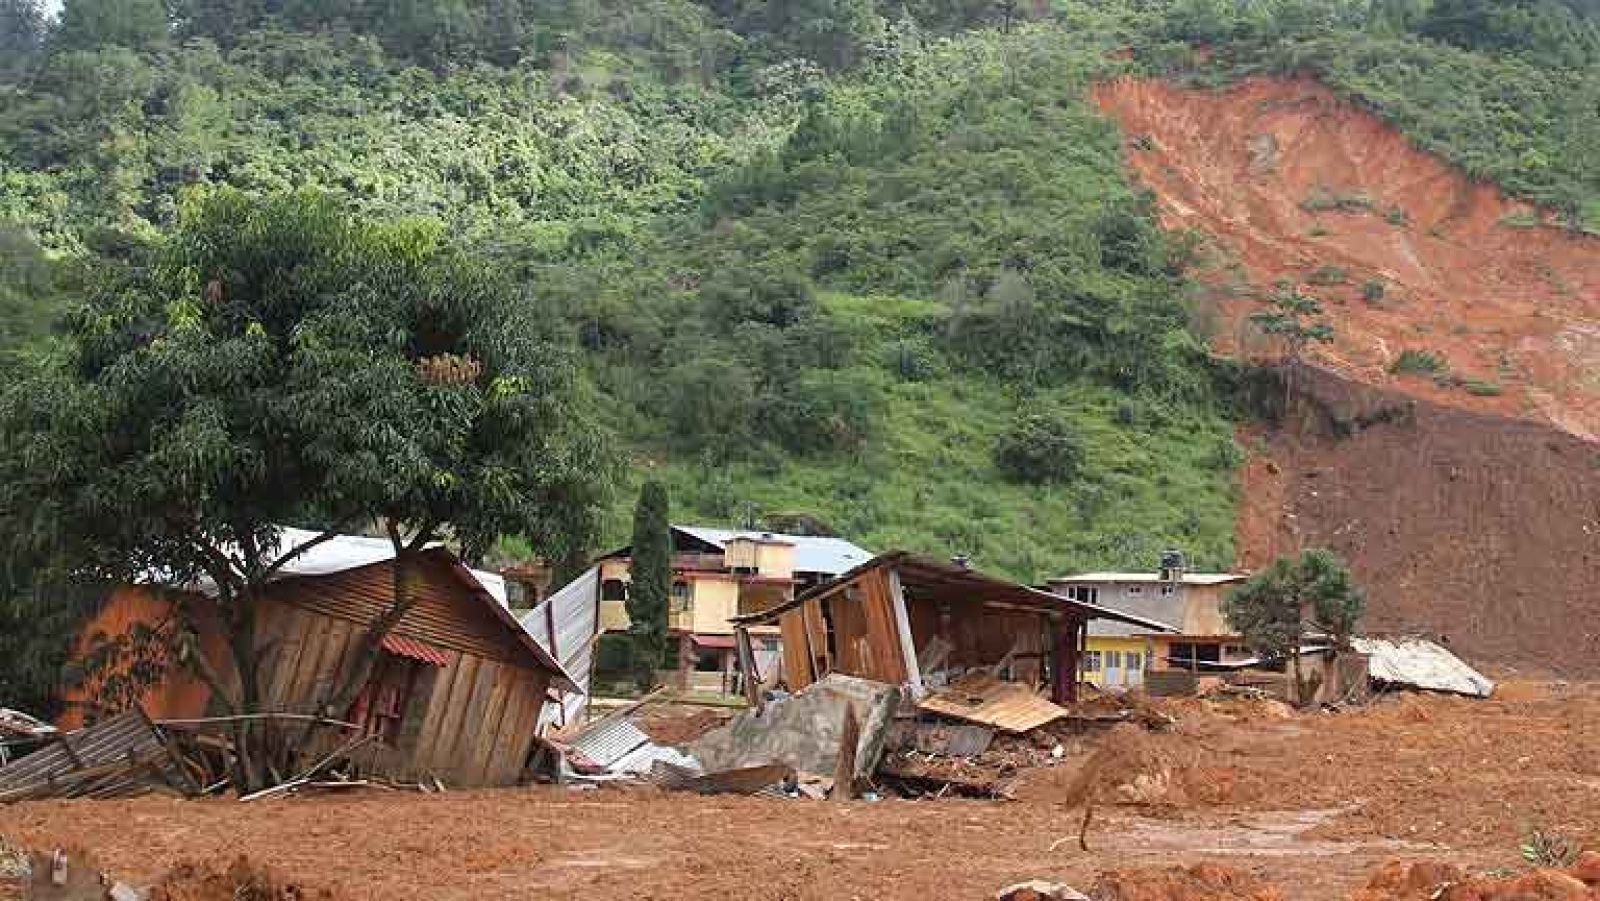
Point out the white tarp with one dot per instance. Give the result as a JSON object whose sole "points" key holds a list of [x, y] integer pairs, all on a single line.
{"points": [[1419, 663], [567, 625]]}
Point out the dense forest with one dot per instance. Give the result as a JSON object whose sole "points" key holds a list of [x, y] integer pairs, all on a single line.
{"points": [[872, 260]]}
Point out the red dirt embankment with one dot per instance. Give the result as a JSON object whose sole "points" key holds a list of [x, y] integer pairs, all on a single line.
{"points": [[1471, 526], [1295, 183]]}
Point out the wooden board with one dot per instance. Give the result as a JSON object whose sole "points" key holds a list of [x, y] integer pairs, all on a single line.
{"points": [[796, 650], [985, 700], [883, 633]]}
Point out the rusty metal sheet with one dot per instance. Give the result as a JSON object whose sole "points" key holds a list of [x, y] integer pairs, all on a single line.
{"points": [[985, 700]]}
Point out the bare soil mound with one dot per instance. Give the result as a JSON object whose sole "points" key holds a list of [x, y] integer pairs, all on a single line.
{"points": [[1479, 529], [241, 880], [1202, 882], [1406, 253]]}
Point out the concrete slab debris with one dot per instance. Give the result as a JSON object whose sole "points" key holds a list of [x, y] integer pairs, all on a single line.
{"points": [[1422, 664], [803, 730]]}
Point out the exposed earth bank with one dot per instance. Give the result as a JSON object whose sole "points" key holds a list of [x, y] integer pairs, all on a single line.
{"points": [[1405, 252], [1464, 490]]}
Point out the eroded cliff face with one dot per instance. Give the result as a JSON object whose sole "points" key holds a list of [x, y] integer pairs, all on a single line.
{"points": [[1479, 528], [1290, 182], [1466, 501]]}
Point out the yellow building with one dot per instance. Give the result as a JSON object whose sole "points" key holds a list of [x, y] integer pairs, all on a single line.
{"points": [[1118, 656], [718, 574]]}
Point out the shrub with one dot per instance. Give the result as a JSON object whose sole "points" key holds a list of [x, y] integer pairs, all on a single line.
{"points": [[1328, 275], [1419, 362], [1481, 388], [1397, 216], [1372, 290], [1038, 448], [910, 359], [1323, 199]]}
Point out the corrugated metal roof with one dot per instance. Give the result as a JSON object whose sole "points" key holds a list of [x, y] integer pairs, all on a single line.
{"points": [[812, 553], [1142, 578], [342, 553], [574, 612], [642, 760], [1419, 663], [610, 740], [128, 738], [414, 649]]}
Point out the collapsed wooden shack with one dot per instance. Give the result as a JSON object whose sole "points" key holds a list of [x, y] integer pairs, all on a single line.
{"points": [[910, 620], [457, 693]]}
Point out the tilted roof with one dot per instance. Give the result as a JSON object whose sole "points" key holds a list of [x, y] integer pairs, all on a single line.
{"points": [[932, 577], [342, 553]]}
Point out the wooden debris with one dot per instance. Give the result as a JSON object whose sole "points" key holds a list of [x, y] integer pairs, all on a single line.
{"points": [[122, 756], [984, 699]]}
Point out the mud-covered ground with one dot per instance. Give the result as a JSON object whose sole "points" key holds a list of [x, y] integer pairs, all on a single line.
{"points": [[1310, 803]]}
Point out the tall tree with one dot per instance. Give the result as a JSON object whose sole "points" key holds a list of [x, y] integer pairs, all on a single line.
{"points": [[1277, 607], [22, 33], [1296, 320], [651, 571], [136, 24], [281, 361]]}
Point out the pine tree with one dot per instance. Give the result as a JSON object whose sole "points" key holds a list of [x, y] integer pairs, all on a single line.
{"points": [[652, 581]]}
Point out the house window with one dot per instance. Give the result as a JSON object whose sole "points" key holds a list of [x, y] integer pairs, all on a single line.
{"points": [[1091, 661], [1168, 589], [381, 707], [680, 596], [1136, 589], [1083, 593], [1113, 660], [613, 590], [1149, 659]]}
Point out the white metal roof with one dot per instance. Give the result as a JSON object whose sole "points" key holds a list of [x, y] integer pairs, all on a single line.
{"points": [[812, 554], [1419, 663], [565, 624], [1188, 578], [347, 552]]}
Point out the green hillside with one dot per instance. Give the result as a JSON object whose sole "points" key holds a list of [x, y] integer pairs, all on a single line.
{"points": [[873, 260]]}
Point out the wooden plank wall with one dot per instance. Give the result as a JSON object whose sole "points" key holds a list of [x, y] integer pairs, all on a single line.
{"points": [[866, 642], [478, 714], [981, 636]]}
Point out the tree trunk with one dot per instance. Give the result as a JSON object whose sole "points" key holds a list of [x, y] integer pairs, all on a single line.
{"points": [[251, 750], [343, 694]]}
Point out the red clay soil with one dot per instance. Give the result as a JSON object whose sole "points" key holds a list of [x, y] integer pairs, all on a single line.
{"points": [[1313, 804], [1289, 179], [1479, 529]]}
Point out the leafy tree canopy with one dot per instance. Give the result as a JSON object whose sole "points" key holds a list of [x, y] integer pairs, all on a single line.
{"points": [[1277, 607], [280, 361]]}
